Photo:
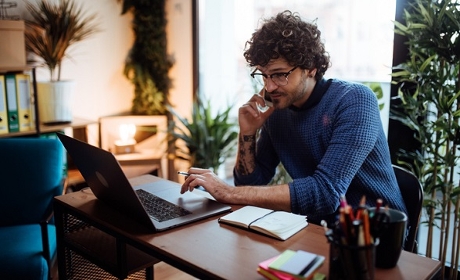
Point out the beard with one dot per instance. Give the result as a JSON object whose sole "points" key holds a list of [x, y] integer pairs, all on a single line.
{"points": [[285, 99]]}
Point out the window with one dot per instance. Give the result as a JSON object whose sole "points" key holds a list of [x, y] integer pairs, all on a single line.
{"points": [[358, 38]]}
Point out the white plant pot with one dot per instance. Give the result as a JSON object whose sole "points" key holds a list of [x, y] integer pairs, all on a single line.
{"points": [[55, 101]]}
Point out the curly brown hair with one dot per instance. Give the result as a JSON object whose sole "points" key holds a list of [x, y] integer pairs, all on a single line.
{"points": [[287, 36]]}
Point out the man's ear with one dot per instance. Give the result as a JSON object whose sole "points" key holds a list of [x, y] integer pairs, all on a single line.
{"points": [[311, 73]]}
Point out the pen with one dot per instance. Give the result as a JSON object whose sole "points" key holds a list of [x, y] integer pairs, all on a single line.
{"points": [[183, 173]]}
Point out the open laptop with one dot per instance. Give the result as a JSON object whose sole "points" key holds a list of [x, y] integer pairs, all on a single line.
{"points": [[157, 205]]}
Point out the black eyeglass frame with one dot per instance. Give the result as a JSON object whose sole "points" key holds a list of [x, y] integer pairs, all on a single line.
{"points": [[265, 76]]}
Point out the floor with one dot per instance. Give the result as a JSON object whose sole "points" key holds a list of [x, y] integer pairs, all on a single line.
{"points": [[164, 271]]}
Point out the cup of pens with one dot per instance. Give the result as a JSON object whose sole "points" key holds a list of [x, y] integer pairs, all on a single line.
{"points": [[353, 241], [351, 261]]}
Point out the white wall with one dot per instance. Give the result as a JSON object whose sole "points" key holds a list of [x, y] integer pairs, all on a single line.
{"points": [[97, 63]]}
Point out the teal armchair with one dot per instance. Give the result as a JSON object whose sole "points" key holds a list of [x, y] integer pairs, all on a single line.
{"points": [[31, 174]]}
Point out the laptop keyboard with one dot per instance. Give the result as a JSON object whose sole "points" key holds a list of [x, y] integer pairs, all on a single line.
{"points": [[159, 209]]}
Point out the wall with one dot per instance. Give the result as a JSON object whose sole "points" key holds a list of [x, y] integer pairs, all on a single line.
{"points": [[97, 63]]}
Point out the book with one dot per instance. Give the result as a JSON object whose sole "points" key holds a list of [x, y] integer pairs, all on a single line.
{"points": [[299, 264], [278, 224]]}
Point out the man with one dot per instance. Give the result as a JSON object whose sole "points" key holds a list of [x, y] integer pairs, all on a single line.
{"points": [[327, 133]]}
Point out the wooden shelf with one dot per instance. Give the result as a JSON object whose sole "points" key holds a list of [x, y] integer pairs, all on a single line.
{"points": [[16, 69], [44, 128], [75, 123]]}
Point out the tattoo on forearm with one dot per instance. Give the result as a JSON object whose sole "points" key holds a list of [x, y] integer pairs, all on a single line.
{"points": [[246, 154], [249, 138]]}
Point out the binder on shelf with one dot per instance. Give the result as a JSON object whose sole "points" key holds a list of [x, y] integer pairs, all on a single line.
{"points": [[25, 107], [3, 111], [11, 103]]}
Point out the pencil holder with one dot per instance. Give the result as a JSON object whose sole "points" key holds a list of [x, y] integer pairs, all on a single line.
{"points": [[351, 262]]}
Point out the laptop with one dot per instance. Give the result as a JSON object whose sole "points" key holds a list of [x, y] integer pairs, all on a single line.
{"points": [[157, 205]]}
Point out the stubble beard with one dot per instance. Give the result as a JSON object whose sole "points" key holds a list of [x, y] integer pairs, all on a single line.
{"points": [[289, 99]]}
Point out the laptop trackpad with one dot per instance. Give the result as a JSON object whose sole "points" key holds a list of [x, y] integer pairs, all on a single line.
{"points": [[170, 191], [190, 201]]}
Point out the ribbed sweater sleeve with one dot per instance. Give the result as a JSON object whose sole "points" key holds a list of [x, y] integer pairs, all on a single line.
{"points": [[336, 147]]}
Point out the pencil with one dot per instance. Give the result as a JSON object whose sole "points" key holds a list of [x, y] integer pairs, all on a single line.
{"points": [[361, 207], [366, 227]]}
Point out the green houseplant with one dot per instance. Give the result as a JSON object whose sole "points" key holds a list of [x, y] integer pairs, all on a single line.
{"points": [[429, 93], [52, 29], [147, 64], [209, 139]]}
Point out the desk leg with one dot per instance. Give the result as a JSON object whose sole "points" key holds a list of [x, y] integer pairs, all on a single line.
{"points": [[121, 259]]}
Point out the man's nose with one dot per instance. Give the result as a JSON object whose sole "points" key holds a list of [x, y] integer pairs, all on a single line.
{"points": [[270, 85]]}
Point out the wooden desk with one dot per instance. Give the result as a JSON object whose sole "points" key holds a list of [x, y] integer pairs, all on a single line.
{"points": [[209, 250]]}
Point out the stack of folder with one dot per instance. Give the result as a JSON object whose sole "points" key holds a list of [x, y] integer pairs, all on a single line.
{"points": [[292, 265], [16, 104]]}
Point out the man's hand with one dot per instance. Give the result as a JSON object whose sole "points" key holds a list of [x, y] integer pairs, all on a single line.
{"points": [[207, 179], [250, 118]]}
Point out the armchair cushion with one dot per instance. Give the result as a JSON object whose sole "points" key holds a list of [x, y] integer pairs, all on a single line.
{"points": [[21, 256]]}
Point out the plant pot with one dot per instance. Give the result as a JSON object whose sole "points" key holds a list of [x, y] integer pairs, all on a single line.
{"points": [[55, 101]]}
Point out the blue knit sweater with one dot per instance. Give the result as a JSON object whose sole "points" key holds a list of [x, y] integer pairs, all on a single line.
{"points": [[333, 145]]}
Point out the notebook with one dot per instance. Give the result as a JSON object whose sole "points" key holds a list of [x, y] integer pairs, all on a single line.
{"points": [[104, 175]]}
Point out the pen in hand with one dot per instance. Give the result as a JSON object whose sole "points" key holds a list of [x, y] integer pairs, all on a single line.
{"points": [[183, 173]]}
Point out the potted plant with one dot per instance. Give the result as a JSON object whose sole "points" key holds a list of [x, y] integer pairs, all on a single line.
{"points": [[429, 93], [52, 29], [209, 139]]}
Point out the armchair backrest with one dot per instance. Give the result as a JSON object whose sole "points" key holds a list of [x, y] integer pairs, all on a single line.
{"points": [[31, 174]]}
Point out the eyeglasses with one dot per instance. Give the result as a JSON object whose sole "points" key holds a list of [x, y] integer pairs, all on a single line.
{"points": [[280, 79]]}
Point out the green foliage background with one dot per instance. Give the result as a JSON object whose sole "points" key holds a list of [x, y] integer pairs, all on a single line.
{"points": [[209, 139], [147, 64]]}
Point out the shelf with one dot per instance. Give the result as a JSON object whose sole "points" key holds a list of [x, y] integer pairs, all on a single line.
{"points": [[75, 123], [16, 69], [44, 128]]}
